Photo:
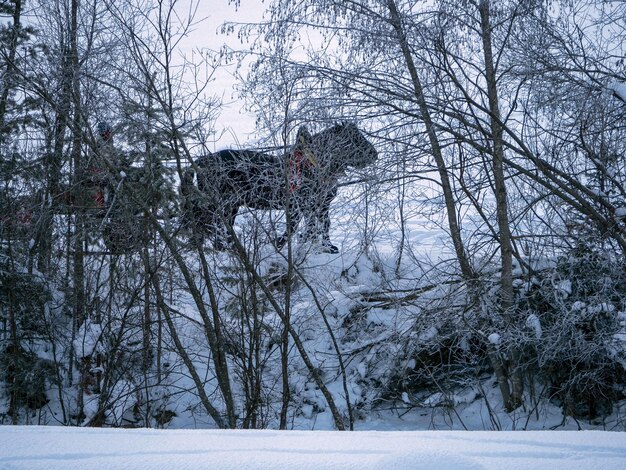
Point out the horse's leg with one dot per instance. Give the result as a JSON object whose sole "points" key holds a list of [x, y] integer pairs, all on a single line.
{"points": [[195, 220], [217, 235], [229, 221], [323, 215], [294, 215], [311, 231], [199, 209], [318, 219], [206, 223], [222, 226]]}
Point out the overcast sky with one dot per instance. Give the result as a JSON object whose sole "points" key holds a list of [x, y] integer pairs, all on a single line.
{"points": [[234, 125]]}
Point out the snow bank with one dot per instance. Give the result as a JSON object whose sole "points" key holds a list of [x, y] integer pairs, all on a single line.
{"points": [[79, 448]]}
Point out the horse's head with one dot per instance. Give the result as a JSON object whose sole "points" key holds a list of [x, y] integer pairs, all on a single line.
{"points": [[341, 146], [304, 139]]}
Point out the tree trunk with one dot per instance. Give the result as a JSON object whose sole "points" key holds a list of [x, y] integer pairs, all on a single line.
{"points": [[514, 400]]}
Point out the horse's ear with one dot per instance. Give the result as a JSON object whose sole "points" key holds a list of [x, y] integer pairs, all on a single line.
{"points": [[303, 137]]}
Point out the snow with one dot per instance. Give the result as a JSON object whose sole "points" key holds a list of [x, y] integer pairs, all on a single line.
{"points": [[565, 287], [87, 339], [51, 448], [619, 89], [494, 338], [534, 323]]}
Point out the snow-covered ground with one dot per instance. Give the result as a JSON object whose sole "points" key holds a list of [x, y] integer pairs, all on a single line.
{"points": [[53, 448]]}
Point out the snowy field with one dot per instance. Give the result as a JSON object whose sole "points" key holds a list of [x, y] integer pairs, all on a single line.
{"points": [[53, 448]]}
